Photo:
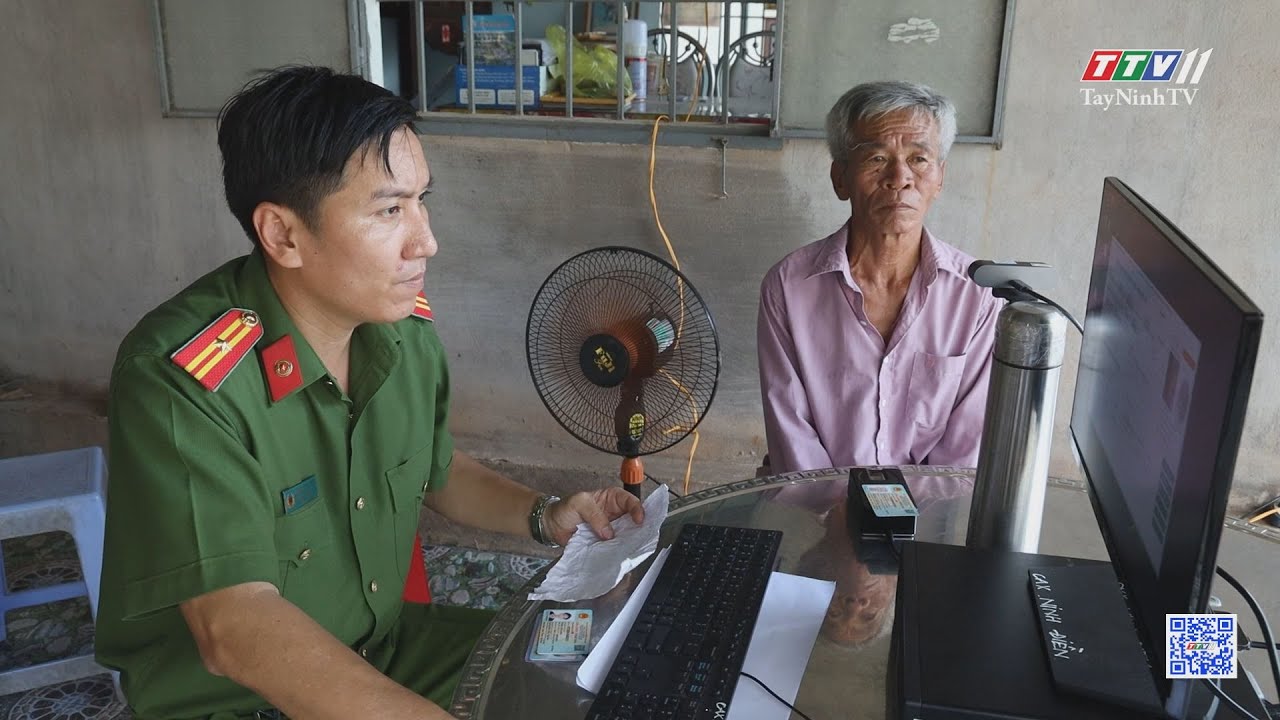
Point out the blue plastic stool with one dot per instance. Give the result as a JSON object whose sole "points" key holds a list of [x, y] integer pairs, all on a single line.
{"points": [[45, 493]]}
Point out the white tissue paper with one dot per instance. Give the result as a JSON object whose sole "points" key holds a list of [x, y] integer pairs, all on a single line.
{"points": [[591, 567]]}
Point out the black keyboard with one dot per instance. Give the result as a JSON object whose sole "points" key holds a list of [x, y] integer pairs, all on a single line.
{"points": [[685, 651]]}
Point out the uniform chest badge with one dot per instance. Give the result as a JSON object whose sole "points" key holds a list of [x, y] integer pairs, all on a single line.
{"points": [[211, 355]]}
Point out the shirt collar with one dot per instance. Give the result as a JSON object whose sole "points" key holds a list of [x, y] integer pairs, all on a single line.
{"points": [[833, 256], [375, 350], [928, 266], [943, 258], [259, 295]]}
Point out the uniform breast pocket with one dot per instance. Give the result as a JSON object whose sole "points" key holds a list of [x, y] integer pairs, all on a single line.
{"points": [[931, 394], [304, 546], [408, 483]]}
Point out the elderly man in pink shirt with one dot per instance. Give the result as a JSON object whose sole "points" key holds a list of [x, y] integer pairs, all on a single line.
{"points": [[874, 345]]}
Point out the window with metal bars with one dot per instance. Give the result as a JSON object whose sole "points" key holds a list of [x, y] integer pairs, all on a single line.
{"points": [[715, 68], [602, 70]]}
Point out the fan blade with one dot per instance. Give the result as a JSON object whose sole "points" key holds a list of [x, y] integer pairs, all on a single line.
{"points": [[664, 337]]}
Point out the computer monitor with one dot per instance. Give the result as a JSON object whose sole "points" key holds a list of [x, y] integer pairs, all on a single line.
{"points": [[1165, 368]]}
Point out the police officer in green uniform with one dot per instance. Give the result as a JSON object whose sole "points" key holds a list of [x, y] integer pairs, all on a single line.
{"points": [[276, 427]]}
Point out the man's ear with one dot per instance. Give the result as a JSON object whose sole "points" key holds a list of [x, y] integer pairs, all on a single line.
{"points": [[279, 230], [942, 174], [837, 179]]}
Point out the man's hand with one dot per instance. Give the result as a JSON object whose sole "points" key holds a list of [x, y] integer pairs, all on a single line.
{"points": [[482, 498], [596, 508]]}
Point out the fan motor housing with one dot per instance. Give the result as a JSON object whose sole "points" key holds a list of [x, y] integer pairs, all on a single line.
{"points": [[604, 360]]}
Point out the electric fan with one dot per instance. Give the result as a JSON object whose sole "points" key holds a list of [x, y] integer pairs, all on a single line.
{"points": [[623, 352]]}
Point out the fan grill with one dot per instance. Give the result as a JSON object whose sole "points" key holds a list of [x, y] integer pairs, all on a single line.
{"points": [[607, 288]]}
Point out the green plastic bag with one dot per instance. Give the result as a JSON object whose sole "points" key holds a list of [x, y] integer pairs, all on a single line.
{"points": [[595, 68]]}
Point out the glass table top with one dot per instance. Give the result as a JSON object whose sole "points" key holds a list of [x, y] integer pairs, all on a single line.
{"points": [[847, 667]]}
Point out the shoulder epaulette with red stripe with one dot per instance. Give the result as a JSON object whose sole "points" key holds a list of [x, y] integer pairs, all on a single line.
{"points": [[423, 310], [211, 355]]}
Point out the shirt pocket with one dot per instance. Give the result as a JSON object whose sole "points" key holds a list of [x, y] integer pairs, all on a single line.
{"points": [[407, 483], [304, 544], [932, 392]]}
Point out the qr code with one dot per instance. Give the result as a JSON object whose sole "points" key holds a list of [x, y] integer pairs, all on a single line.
{"points": [[1200, 646]]}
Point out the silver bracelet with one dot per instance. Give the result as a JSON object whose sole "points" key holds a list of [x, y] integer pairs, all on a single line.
{"points": [[535, 520]]}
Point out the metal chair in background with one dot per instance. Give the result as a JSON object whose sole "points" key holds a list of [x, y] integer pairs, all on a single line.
{"points": [[745, 75], [692, 61]]}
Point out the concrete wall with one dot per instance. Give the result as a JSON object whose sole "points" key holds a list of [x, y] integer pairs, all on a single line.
{"points": [[106, 208]]}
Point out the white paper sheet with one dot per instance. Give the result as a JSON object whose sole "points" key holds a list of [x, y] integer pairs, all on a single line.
{"points": [[591, 567], [592, 671], [790, 617]]}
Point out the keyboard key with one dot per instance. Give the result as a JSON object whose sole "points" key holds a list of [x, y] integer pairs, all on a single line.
{"points": [[685, 651]]}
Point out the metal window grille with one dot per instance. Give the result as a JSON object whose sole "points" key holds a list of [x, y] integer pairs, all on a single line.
{"points": [[746, 37]]}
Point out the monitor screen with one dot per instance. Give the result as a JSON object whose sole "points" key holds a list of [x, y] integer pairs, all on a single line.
{"points": [[1165, 368]]}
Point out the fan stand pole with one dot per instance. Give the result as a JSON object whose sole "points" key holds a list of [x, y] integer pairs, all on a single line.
{"points": [[632, 475]]}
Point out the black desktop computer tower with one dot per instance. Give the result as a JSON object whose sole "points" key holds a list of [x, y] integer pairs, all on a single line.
{"points": [[966, 643]]}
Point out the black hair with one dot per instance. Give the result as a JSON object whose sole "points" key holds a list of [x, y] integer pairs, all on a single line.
{"points": [[286, 137]]}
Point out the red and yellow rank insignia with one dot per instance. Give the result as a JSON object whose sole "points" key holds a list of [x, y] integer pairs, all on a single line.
{"points": [[214, 353], [422, 309], [281, 368]]}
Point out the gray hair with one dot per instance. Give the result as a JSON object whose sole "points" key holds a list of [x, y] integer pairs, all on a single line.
{"points": [[869, 101]]}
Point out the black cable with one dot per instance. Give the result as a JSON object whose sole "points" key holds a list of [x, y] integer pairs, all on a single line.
{"points": [[1023, 287], [1270, 639], [776, 695], [655, 482], [1229, 701], [1248, 644]]}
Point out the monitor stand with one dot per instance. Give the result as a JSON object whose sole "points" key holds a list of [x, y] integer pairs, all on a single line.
{"points": [[1089, 638]]}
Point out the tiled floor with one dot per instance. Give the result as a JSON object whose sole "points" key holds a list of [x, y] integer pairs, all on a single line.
{"points": [[458, 576]]}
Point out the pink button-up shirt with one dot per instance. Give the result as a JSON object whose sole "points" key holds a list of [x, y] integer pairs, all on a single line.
{"points": [[836, 393]]}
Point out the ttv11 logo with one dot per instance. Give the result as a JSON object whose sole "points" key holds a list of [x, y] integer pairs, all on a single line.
{"points": [[1146, 66]]}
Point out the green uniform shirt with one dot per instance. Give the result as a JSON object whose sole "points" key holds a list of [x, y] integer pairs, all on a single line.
{"points": [[199, 481]]}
